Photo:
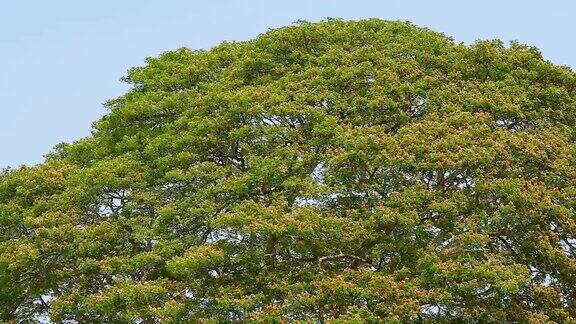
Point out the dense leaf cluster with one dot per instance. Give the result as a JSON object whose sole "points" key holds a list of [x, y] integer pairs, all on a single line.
{"points": [[335, 171]]}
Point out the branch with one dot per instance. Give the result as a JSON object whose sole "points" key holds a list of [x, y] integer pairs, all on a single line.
{"points": [[506, 244], [342, 256], [44, 302]]}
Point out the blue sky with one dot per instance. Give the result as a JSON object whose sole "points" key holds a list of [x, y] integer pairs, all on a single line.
{"points": [[61, 59]]}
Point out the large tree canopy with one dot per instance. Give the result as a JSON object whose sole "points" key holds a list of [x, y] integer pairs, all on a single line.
{"points": [[334, 171]]}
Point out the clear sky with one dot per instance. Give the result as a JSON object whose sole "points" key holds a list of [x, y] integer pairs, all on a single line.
{"points": [[61, 59]]}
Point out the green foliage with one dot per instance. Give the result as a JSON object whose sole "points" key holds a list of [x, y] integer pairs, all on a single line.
{"points": [[327, 172]]}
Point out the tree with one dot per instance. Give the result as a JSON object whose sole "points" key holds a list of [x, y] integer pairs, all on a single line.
{"points": [[335, 171]]}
